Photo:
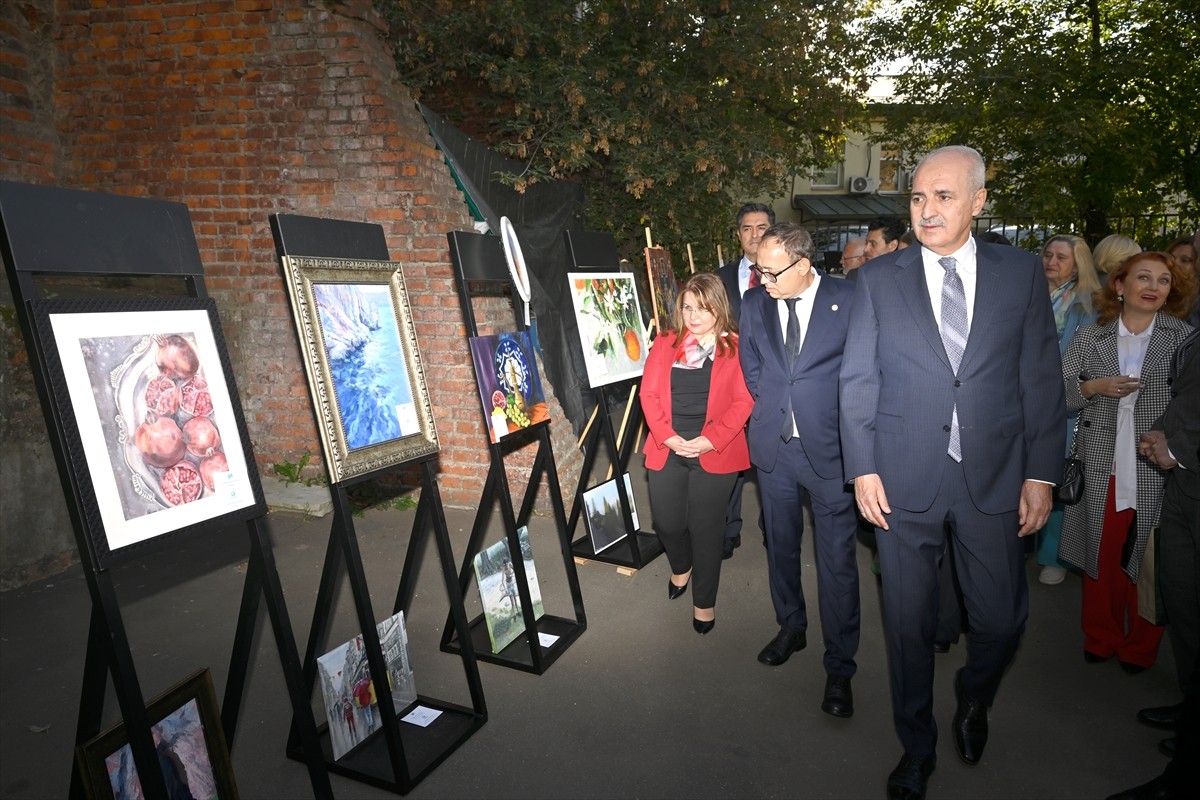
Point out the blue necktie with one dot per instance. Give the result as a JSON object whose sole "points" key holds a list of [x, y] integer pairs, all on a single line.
{"points": [[954, 336]]}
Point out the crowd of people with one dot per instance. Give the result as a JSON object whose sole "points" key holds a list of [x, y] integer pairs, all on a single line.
{"points": [[926, 404]]}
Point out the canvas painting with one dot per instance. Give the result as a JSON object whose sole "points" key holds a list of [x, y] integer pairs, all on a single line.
{"points": [[632, 502], [611, 332], [362, 363], [351, 705], [664, 287], [189, 743], [602, 512], [151, 396], [498, 590], [509, 385]]}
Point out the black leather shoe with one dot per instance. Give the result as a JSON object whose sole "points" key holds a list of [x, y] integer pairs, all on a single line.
{"points": [[782, 646], [675, 592], [1167, 747], [1094, 658], [731, 543], [1132, 669], [941, 647], [1165, 717], [702, 626], [907, 781], [839, 699], [1157, 789], [970, 724]]}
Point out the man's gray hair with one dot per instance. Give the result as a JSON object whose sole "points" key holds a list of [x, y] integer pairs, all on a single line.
{"points": [[977, 176], [796, 241]]}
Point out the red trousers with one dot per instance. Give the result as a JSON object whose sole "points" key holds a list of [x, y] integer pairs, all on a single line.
{"points": [[1111, 625]]}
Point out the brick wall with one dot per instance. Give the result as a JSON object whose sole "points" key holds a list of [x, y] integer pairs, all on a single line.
{"points": [[243, 108]]}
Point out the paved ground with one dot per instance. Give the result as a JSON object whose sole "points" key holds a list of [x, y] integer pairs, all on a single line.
{"points": [[639, 706]]}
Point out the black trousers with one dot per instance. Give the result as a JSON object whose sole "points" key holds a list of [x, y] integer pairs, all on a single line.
{"points": [[689, 517]]}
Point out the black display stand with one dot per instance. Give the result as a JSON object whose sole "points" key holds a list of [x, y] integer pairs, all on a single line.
{"points": [[399, 755], [67, 233], [479, 261], [597, 252]]}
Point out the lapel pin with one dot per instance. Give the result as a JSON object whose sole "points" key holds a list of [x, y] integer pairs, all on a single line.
{"points": [[833, 307]]}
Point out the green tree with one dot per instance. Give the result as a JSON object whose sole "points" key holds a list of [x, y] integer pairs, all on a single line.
{"points": [[668, 111], [1083, 109]]}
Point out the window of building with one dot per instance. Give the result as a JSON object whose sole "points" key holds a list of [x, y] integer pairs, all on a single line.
{"points": [[829, 177], [892, 175]]}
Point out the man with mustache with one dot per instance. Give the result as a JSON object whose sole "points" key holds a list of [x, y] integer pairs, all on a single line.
{"points": [[953, 426]]}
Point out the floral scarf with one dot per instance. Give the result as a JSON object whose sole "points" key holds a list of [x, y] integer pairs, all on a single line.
{"points": [[1062, 299], [693, 352]]}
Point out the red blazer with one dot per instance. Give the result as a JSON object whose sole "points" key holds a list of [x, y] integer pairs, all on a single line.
{"points": [[729, 406]]}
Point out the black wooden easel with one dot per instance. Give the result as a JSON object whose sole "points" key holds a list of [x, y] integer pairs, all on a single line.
{"points": [[597, 252], [480, 261], [397, 757], [59, 232]]}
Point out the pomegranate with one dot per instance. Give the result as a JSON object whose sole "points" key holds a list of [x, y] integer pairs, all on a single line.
{"points": [[195, 398], [160, 441], [211, 467], [162, 396], [176, 357], [181, 484], [201, 437]]}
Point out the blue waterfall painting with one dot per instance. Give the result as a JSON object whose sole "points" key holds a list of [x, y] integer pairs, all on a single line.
{"points": [[366, 362]]}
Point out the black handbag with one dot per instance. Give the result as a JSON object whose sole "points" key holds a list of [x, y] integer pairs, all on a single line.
{"points": [[1069, 490]]}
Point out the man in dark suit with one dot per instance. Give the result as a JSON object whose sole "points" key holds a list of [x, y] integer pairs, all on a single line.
{"points": [[953, 424], [793, 329], [753, 219], [1173, 443]]}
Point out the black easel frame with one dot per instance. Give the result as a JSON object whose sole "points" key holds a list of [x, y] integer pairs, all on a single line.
{"points": [[597, 252], [136, 238], [397, 757], [479, 260]]}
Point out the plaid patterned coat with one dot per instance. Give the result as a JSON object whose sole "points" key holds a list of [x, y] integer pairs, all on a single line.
{"points": [[1093, 352]]}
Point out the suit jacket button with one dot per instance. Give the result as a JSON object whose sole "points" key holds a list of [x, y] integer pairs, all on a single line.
{"points": [[957, 384], [946, 428]]}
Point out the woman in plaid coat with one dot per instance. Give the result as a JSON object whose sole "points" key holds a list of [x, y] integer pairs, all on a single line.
{"points": [[1115, 375]]}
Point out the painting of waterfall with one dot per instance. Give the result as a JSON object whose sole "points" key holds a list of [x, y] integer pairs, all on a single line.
{"points": [[362, 363], [362, 342]]}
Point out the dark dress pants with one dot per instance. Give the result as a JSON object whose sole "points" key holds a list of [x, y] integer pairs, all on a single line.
{"points": [[689, 517], [989, 559], [783, 490], [1179, 576]]}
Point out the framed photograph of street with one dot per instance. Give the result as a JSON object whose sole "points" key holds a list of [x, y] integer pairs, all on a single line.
{"points": [[351, 705], [497, 581], [509, 385], [611, 332], [150, 416], [188, 738], [362, 362], [602, 513]]}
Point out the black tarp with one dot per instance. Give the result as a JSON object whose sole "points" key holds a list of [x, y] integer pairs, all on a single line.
{"points": [[539, 216]]}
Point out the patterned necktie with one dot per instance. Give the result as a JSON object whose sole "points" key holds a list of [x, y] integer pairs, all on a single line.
{"points": [[754, 279], [791, 346], [954, 336]]}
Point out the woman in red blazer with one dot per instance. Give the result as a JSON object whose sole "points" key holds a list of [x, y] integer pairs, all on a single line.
{"points": [[696, 405]]}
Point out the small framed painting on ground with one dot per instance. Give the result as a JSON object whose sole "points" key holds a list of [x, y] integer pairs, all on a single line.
{"points": [[498, 591], [602, 511]]}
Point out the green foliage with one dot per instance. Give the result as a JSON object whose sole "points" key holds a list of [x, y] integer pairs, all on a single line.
{"points": [[1083, 109], [293, 472], [669, 111]]}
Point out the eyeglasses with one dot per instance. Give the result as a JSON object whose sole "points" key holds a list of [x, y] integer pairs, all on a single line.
{"points": [[852, 258], [772, 277]]}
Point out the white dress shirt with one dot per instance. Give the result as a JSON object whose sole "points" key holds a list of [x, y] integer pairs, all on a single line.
{"points": [[744, 274], [804, 310], [1131, 352]]}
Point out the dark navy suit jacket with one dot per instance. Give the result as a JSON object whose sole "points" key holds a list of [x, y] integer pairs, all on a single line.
{"points": [[898, 389], [812, 382]]}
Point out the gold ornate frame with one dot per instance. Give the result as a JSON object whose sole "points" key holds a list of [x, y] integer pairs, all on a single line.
{"points": [[343, 461]]}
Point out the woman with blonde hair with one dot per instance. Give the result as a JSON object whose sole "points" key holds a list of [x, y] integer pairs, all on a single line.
{"points": [[1111, 251], [696, 405], [1115, 374], [1067, 262]]}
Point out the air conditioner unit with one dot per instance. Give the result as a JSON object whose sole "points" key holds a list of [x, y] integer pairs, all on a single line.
{"points": [[861, 184]]}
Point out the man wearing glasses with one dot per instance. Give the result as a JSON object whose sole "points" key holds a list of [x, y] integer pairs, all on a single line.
{"points": [[853, 257], [792, 334]]}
